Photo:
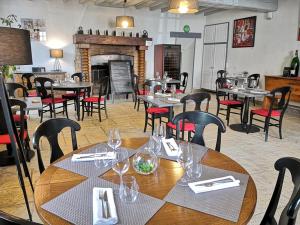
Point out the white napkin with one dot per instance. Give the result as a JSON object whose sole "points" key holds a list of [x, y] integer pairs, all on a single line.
{"points": [[163, 94], [97, 207], [93, 156], [174, 99], [170, 146], [214, 184]]}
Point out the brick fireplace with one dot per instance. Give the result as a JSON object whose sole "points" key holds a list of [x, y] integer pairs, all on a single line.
{"points": [[97, 45]]}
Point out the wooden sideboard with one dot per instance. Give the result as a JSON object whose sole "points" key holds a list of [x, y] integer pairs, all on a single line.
{"points": [[272, 82]]}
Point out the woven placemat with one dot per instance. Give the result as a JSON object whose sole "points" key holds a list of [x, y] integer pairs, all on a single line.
{"points": [[87, 169], [225, 203], [76, 205]]}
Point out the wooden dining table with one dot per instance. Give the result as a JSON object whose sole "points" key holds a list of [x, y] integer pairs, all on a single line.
{"points": [[55, 181]]}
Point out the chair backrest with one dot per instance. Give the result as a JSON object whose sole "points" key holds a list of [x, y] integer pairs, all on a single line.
{"points": [[26, 80], [221, 83], [280, 99], [197, 98], [6, 219], [184, 81], [103, 87], [50, 129], [79, 75], [221, 74], [253, 80], [201, 120], [13, 87], [135, 83], [40, 85], [289, 213]]}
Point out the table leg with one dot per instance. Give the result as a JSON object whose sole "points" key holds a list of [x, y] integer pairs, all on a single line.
{"points": [[78, 104], [170, 117]]}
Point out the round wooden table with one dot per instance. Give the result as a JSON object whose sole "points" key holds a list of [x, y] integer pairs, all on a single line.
{"points": [[54, 181]]}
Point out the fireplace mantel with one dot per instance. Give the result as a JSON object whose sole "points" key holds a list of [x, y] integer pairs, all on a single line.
{"points": [[88, 45], [109, 40]]}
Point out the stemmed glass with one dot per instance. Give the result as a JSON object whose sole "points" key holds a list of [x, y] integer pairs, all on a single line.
{"points": [[185, 159], [164, 86], [114, 138], [121, 162], [173, 90]]}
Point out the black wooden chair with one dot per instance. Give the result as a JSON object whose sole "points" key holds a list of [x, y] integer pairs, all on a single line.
{"points": [[13, 87], [253, 82], [73, 96], [26, 80], [137, 91], [289, 213], [221, 74], [280, 98], [50, 129], [6, 219], [153, 113], [183, 79], [48, 99], [230, 103], [100, 100], [197, 98], [201, 120]]}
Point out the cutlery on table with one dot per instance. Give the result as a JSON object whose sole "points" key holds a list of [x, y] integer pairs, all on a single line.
{"points": [[105, 198], [171, 146], [210, 184], [104, 212]]}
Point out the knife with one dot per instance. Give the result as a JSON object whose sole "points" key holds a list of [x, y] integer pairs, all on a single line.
{"points": [[105, 198], [210, 184], [171, 147]]}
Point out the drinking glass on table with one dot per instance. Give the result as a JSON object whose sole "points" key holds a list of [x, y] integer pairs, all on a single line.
{"points": [[185, 159], [129, 189], [121, 162], [100, 152], [164, 86], [155, 144], [114, 138], [173, 90]]}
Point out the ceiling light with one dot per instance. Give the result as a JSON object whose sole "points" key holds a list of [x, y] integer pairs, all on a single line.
{"points": [[124, 21], [183, 6]]}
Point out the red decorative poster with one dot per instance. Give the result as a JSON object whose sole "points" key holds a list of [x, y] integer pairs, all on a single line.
{"points": [[244, 32]]}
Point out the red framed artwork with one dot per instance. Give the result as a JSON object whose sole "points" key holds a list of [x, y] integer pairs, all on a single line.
{"points": [[244, 32]]}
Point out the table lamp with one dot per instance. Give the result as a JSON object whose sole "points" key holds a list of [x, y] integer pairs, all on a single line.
{"points": [[57, 54], [15, 49]]}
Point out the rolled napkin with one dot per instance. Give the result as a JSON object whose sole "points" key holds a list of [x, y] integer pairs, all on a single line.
{"points": [[174, 99], [214, 184], [93, 156], [108, 210], [170, 146], [163, 94]]}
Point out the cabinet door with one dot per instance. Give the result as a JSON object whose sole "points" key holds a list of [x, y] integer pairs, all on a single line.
{"points": [[221, 33], [219, 61], [207, 67], [209, 34]]}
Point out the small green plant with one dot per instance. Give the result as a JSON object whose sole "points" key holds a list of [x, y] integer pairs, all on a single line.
{"points": [[8, 71], [10, 20]]}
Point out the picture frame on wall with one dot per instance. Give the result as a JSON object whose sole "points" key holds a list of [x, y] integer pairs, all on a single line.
{"points": [[244, 32]]}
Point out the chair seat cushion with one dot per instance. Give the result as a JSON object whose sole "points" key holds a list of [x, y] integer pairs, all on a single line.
{"points": [[72, 95], [50, 100], [187, 126], [178, 91], [93, 99], [157, 110], [4, 138], [32, 94], [230, 102], [144, 92], [265, 112], [17, 118]]}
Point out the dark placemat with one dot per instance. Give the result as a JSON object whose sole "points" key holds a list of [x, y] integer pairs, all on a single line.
{"points": [[76, 205], [87, 169], [225, 203]]}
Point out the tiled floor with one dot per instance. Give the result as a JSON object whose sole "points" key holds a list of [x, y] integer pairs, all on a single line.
{"points": [[251, 151]]}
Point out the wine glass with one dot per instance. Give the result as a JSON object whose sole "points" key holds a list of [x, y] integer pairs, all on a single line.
{"points": [[114, 138], [185, 159], [164, 86], [155, 144], [173, 90], [129, 189], [121, 162], [101, 151]]}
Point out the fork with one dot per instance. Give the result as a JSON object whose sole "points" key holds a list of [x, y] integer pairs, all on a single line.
{"points": [[101, 197]]}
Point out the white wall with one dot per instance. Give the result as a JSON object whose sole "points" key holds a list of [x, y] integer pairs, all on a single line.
{"points": [[274, 42], [64, 18]]}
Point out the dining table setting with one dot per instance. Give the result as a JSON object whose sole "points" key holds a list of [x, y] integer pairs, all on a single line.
{"points": [[140, 181]]}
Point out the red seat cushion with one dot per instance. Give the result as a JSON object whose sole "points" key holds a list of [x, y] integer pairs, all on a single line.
{"points": [[178, 91], [17, 118], [4, 138], [265, 112], [143, 92], [81, 94], [50, 101], [32, 94], [156, 110], [230, 102], [93, 99], [187, 126]]}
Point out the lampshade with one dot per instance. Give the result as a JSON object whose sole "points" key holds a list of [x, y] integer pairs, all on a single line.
{"points": [[124, 22], [183, 6], [15, 47], [56, 53]]}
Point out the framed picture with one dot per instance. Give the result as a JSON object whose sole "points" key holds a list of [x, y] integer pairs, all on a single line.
{"points": [[37, 28], [244, 32]]}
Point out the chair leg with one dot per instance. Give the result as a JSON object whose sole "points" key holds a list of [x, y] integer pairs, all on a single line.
{"points": [[51, 110], [267, 128], [41, 112], [66, 108], [152, 124], [105, 109], [218, 109], [146, 121], [92, 108], [253, 101], [228, 115], [250, 123], [83, 106], [241, 114], [99, 111], [280, 126], [138, 105]]}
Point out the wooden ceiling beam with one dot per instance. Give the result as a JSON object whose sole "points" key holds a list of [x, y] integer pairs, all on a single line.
{"points": [[143, 4], [158, 6]]}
